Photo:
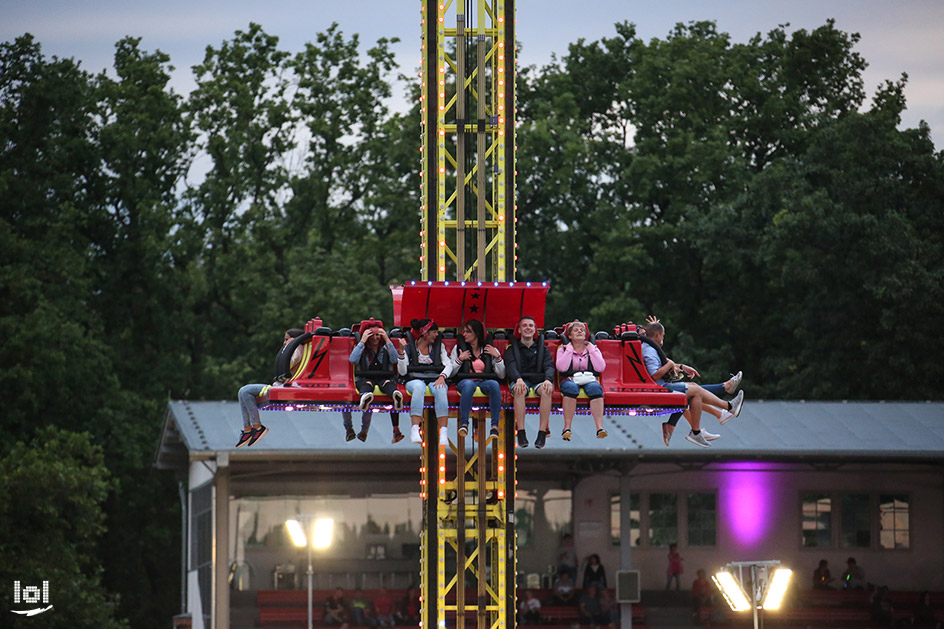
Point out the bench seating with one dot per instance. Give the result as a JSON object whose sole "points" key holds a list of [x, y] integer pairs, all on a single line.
{"points": [[288, 609]]}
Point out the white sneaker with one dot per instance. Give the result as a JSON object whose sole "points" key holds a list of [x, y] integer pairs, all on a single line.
{"points": [[737, 403], [726, 416], [709, 436], [415, 434], [366, 399], [736, 382], [443, 436], [698, 440]]}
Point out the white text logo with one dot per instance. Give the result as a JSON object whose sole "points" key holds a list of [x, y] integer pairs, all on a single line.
{"points": [[31, 595]]}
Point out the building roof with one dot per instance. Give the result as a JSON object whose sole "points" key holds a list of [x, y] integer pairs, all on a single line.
{"points": [[780, 430]]}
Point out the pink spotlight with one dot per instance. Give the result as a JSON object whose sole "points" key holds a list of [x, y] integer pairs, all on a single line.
{"points": [[747, 501]]}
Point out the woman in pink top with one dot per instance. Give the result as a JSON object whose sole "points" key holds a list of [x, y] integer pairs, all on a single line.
{"points": [[579, 364]]}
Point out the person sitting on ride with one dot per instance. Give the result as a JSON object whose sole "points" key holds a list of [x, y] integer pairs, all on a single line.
{"points": [[476, 364], [374, 357], [252, 396], [579, 363], [425, 363], [530, 369]]}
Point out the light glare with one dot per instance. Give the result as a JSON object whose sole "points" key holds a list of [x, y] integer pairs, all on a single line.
{"points": [[778, 587], [731, 591]]}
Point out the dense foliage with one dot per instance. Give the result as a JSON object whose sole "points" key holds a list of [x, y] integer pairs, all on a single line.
{"points": [[155, 245]]}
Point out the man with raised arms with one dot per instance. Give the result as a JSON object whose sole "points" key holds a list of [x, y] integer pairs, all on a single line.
{"points": [[697, 396]]}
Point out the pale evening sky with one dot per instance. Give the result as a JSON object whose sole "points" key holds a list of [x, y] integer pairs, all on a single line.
{"points": [[897, 35]]}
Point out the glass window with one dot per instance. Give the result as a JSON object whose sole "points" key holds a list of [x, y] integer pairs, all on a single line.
{"points": [[856, 527], [817, 520], [530, 504], [702, 510], [894, 521], [635, 531], [663, 519]]}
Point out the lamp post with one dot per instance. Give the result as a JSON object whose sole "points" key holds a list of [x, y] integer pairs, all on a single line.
{"points": [[768, 584], [320, 537]]}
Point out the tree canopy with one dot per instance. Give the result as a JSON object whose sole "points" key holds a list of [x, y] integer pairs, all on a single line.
{"points": [[154, 244]]}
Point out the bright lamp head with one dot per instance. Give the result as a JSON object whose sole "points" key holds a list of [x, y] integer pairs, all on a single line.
{"points": [[777, 588], [321, 538], [297, 532], [732, 592]]}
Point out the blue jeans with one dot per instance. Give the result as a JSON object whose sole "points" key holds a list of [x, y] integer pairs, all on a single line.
{"points": [[466, 389], [417, 390], [569, 388], [247, 403], [717, 389]]}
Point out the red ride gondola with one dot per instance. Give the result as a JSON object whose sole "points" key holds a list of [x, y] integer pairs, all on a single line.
{"points": [[325, 379]]}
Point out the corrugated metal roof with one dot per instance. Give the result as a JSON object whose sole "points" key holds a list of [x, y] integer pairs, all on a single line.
{"points": [[765, 429]]}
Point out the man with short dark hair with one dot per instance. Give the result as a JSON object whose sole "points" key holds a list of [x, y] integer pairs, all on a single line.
{"points": [[697, 395], [530, 370]]}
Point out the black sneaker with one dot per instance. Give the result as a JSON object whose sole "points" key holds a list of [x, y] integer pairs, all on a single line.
{"points": [[463, 430], [362, 435], [257, 434], [349, 435], [244, 437], [539, 440], [522, 439], [493, 432]]}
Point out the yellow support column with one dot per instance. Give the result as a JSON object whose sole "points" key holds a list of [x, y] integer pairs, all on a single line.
{"points": [[468, 70]]}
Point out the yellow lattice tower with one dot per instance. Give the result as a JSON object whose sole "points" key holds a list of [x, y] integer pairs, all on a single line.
{"points": [[468, 232], [468, 118]]}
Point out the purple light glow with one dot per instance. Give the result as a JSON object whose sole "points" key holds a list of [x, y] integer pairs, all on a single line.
{"points": [[747, 501]]}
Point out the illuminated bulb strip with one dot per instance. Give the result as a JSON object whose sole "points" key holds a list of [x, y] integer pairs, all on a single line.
{"points": [[351, 407]]}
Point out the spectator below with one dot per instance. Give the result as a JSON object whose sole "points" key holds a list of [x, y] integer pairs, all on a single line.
{"points": [[563, 590], [924, 614], [610, 607], [594, 574], [701, 591], [384, 608], [529, 609], [674, 570], [336, 612], [854, 576], [591, 611], [567, 557], [821, 576], [883, 614]]}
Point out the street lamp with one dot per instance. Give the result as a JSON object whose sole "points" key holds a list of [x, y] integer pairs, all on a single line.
{"points": [[768, 584], [321, 529]]}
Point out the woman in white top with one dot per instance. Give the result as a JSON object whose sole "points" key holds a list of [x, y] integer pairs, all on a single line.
{"points": [[425, 362]]}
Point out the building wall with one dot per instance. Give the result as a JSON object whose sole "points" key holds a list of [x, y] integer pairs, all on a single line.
{"points": [[759, 518]]}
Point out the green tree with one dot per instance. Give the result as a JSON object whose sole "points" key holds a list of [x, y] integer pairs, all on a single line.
{"points": [[705, 181], [51, 517], [145, 146], [48, 160]]}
